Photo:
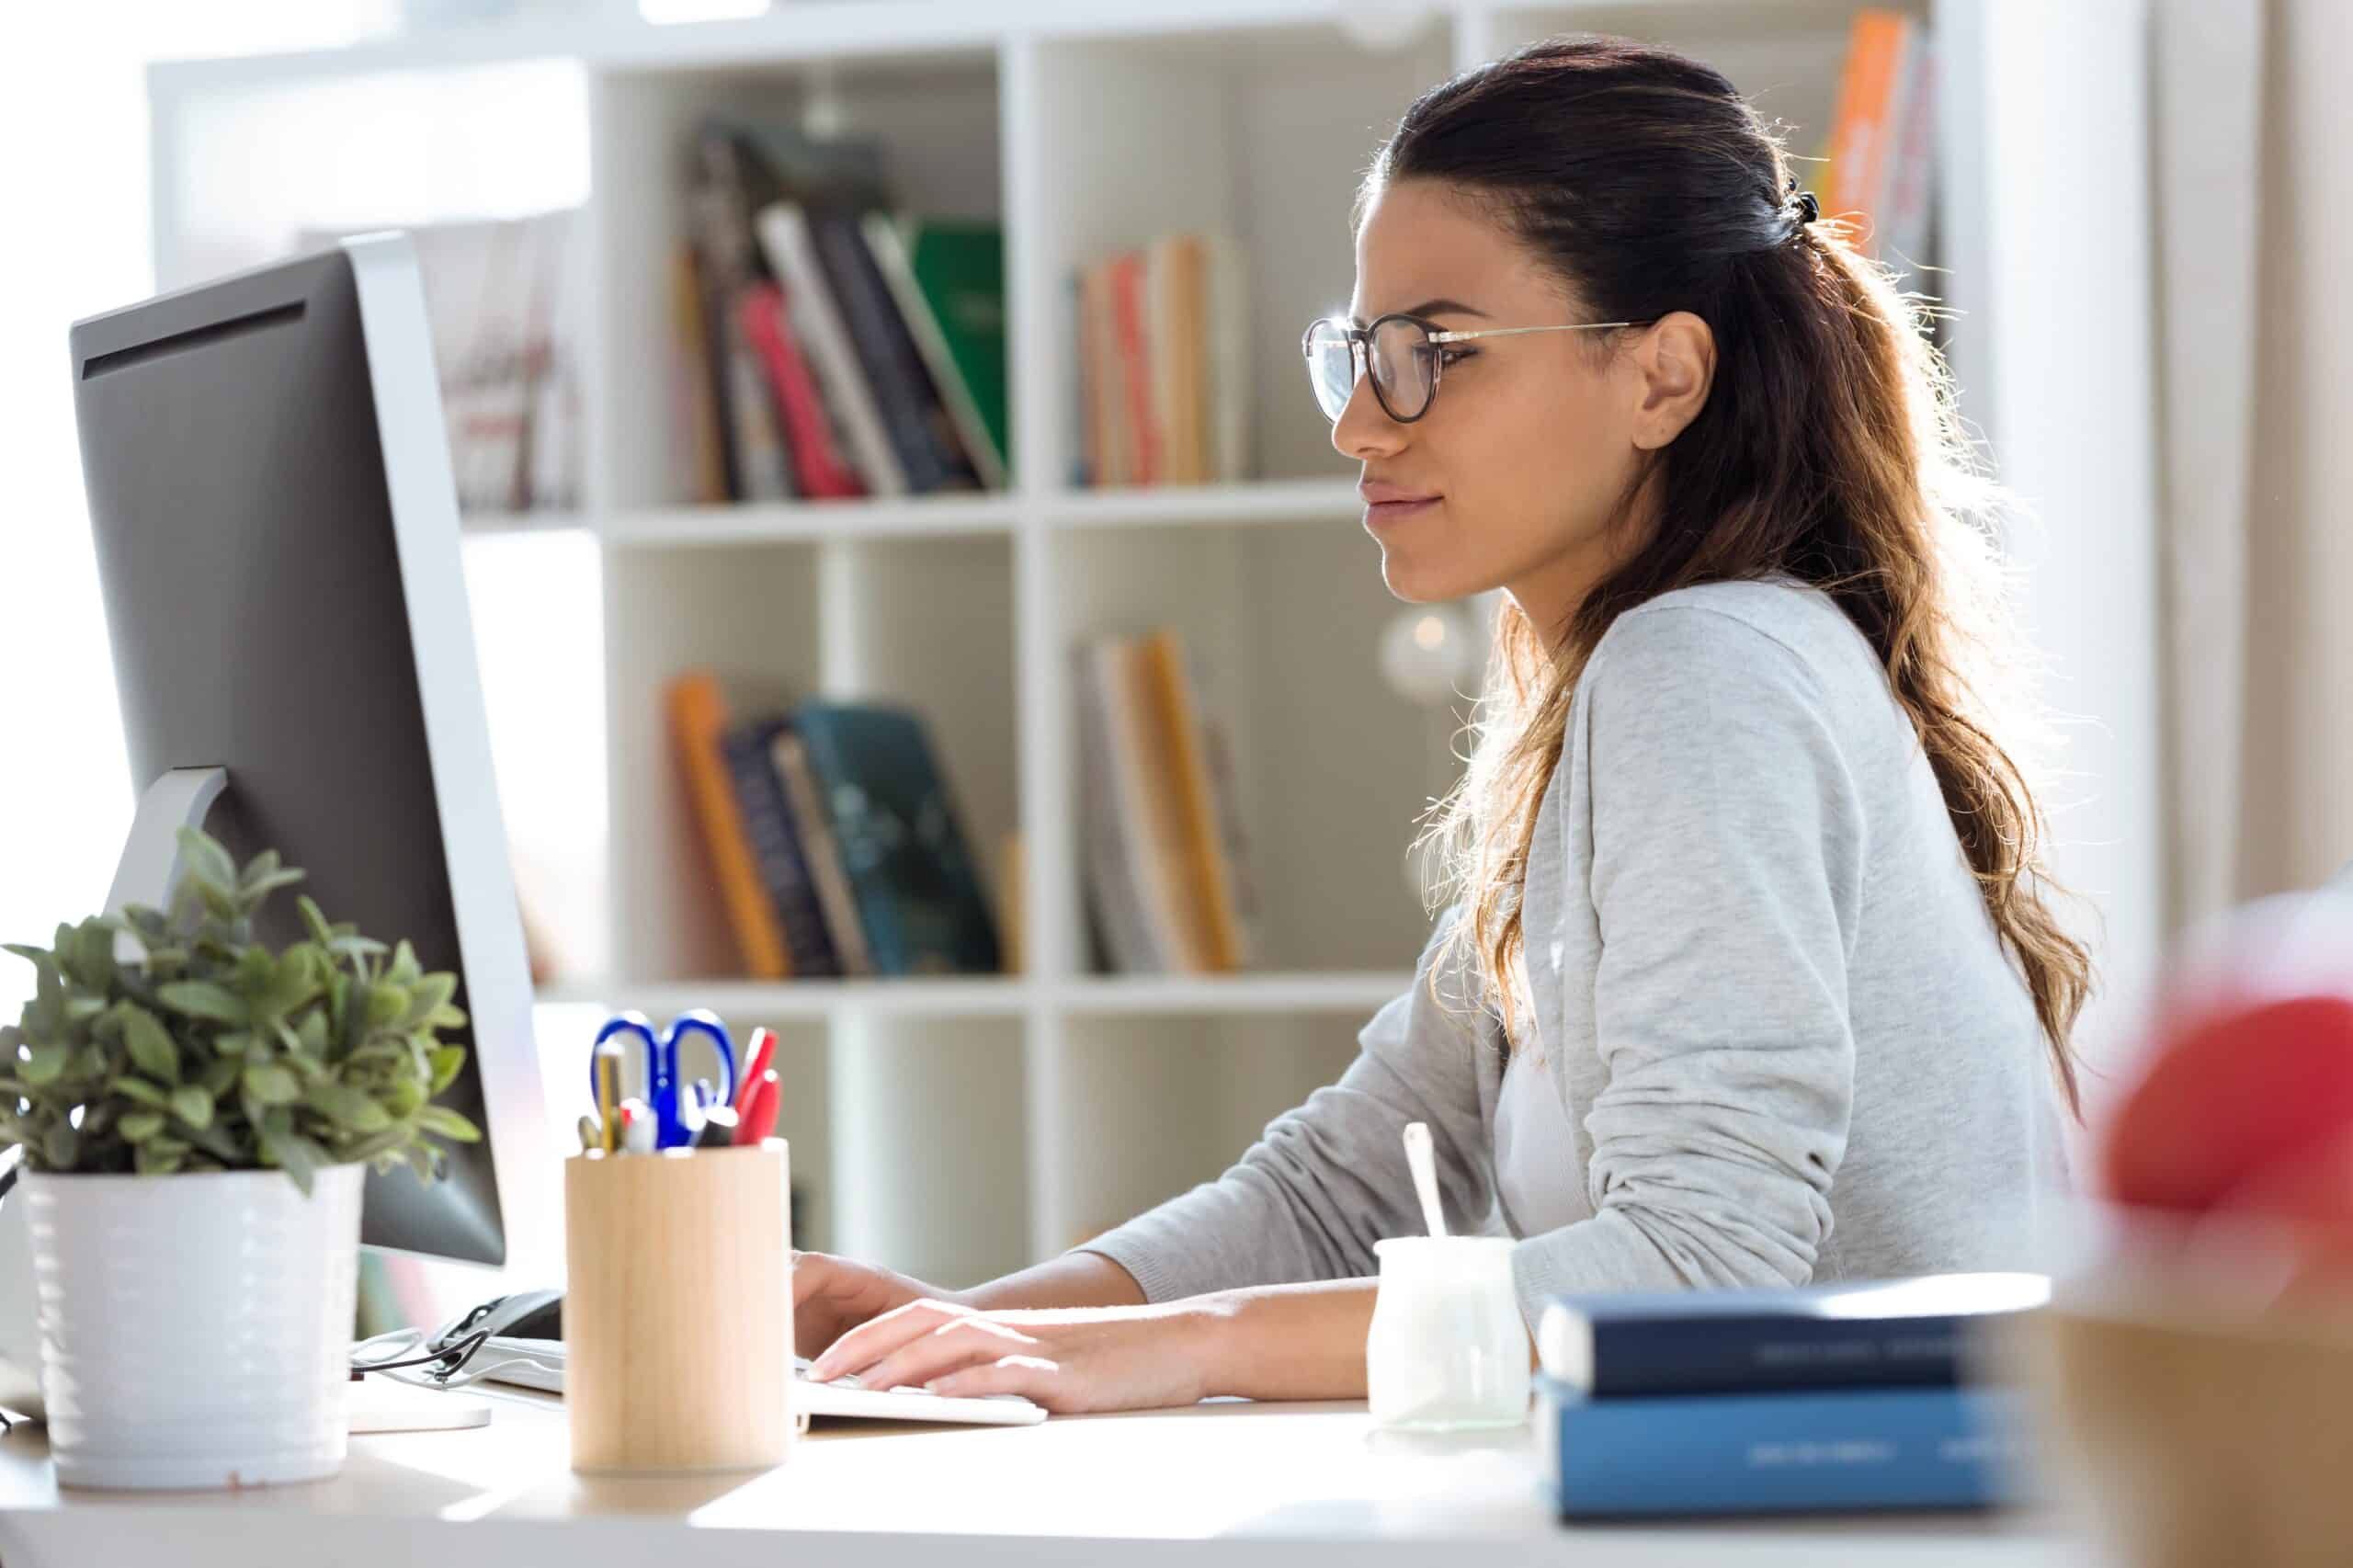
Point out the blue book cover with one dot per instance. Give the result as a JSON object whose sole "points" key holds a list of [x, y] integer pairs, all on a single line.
{"points": [[918, 892], [1847, 1450], [1895, 1333]]}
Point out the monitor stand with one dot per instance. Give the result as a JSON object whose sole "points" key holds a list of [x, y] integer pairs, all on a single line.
{"points": [[150, 866]]}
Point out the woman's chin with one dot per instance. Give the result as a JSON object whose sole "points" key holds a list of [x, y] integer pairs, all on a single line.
{"points": [[1418, 582]]}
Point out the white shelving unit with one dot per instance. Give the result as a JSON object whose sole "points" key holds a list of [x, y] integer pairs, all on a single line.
{"points": [[958, 1127]]}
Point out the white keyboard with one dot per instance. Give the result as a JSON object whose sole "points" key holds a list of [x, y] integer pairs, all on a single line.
{"points": [[844, 1397]]}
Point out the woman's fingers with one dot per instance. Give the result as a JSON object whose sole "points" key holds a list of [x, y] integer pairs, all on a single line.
{"points": [[1024, 1375], [953, 1345], [863, 1346]]}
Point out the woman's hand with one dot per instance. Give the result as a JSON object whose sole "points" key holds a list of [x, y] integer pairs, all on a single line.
{"points": [[832, 1295], [1066, 1358]]}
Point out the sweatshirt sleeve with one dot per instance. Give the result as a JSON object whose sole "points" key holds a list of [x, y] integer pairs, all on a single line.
{"points": [[1727, 876], [1327, 1180]]}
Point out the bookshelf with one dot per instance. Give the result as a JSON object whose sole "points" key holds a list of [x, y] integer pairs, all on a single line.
{"points": [[955, 1128]]}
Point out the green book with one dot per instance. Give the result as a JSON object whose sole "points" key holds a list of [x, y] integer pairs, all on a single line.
{"points": [[958, 264]]}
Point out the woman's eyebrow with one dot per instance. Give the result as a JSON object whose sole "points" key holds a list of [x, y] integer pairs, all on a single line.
{"points": [[1434, 308]]}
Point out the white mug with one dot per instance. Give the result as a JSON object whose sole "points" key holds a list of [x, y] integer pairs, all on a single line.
{"points": [[1448, 1348]]}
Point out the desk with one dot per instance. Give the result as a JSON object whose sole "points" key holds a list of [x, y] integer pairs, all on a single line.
{"points": [[1220, 1483]]}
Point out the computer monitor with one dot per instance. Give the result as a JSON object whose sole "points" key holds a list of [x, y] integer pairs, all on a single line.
{"points": [[276, 532]]}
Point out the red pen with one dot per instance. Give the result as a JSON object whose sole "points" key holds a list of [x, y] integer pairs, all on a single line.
{"points": [[761, 1052], [759, 1119]]}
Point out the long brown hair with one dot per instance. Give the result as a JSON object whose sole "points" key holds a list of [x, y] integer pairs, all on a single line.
{"points": [[1828, 450]]}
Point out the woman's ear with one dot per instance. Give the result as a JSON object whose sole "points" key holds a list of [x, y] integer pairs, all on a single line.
{"points": [[1675, 363]]}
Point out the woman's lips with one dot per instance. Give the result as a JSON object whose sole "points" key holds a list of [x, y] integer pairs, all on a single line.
{"points": [[1389, 513]]}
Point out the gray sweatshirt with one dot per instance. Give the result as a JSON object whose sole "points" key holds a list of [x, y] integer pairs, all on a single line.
{"points": [[1787, 1042]]}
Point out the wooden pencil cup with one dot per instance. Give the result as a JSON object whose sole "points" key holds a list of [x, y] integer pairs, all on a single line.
{"points": [[677, 1311]]}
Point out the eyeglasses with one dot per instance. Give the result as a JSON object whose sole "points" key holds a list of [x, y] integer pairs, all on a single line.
{"points": [[1404, 356]]}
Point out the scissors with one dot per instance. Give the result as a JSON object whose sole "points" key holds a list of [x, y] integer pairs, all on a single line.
{"points": [[662, 1088]]}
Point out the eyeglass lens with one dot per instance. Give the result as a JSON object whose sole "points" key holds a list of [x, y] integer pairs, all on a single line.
{"points": [[1401, 357]]}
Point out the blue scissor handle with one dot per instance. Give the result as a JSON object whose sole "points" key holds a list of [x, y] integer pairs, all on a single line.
{"points": [[662, 1085], [701, 1021]]}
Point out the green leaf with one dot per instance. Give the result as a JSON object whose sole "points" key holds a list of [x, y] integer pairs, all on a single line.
{"points": [[61, 1147], [447, 1018], [159, 1156], [262, 865], [361, 1150], [313, 920], [428, 996], [203, 999], [35, 956], [219, 1075], [233, 1042], [43, 1064], [346, 1107], [407, 1094], [138, 1126], [441, 1119], [298, 1155], [403, 970], [271, 1085], [448, 1060], [206, 859], [142, 1091], [149, 1043], [81, 1009], [350, 946], [192, 1105], [387, 1004]]}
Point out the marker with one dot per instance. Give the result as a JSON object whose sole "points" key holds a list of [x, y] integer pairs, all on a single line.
{"points": [[638, 1129], [608, 1095]]}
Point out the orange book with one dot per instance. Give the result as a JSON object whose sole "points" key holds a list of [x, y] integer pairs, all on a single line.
{"points": [[1207, 882], [1859, 136], [698, 719]]}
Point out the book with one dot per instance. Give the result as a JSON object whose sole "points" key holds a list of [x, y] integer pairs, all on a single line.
{"points": [[913, 413], [1862, 128], [789, 754], [1185, 774], [959, 266], [1123, 934], [894, 260], [1140, 419], [819, 325], [774, 836], [918, 892], [817, 464], [698, 720], [1898, 1331], [697, 394], [1844, 1450], [1226, 346], [1907, 193], [721, 205]]}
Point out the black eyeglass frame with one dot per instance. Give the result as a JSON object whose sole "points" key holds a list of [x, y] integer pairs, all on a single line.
{"points": [[1360, 341]]}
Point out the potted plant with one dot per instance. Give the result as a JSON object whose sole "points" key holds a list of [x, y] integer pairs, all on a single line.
{"points": [[195, 1112]]}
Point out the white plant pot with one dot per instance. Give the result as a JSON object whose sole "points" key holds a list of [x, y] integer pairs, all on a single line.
{"points": [[196, 1330]]}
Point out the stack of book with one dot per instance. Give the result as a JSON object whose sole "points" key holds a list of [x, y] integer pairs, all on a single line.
{"points": [[829, 347], [503, 300], [1829, 1398], [1162, 393], [1167, 863], [1881, 151], [831, 839]]}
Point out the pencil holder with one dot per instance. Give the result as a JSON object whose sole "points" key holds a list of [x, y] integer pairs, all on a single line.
{"points": [[677, 1312]]}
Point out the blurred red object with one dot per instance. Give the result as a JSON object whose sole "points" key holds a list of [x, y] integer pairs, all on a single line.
{"points": [[2244, 1099]]}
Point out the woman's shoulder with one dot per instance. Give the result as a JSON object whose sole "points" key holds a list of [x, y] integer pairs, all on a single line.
{"points": [[1753, 632]]}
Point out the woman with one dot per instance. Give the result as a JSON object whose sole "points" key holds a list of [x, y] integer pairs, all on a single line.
{"points": [[1751, 979]]}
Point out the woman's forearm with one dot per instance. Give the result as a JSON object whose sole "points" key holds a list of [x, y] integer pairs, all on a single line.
{"points": [[1073, 1280], [1286, 1341]]}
